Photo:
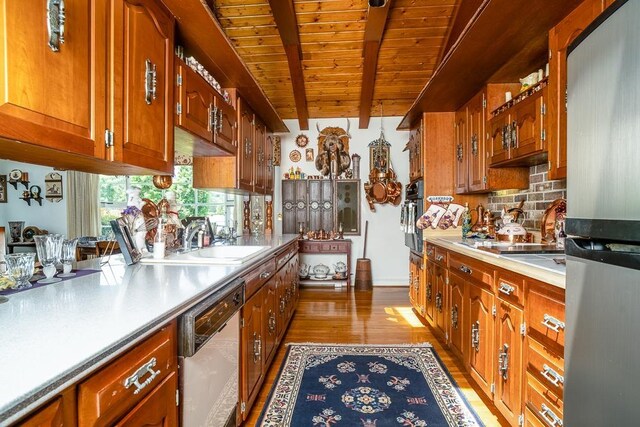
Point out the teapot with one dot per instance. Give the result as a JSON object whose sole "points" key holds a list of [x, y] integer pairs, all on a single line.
{"points": [[340, 267], [320, 270], [303, 270], [510, 225]]}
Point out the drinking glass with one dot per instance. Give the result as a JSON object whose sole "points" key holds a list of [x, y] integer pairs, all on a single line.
{"points": [[20, 268], [49, 247], [68, 256]]}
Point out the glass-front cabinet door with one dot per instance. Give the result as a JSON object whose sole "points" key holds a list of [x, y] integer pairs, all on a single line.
{"points": [[347, 205]]}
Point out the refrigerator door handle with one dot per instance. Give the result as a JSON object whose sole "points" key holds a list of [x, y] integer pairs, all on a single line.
{"points": [[598, 251]]}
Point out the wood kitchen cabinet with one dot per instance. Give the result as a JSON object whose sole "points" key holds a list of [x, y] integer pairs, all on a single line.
{"points": [[429, 301], [153, 410], [481, 329], [414, 147], [271, 289], [246, 146], [260, 166], [441, 293], [52, 91], [509, 374], [560, 37], [270, 171], [473, 174], [417, 283], [59, 412], [141, 97], [199, 117], [518, 134], [457, 309]]}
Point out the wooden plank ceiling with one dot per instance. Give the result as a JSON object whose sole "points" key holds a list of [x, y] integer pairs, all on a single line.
{"points": [[332, 50]]}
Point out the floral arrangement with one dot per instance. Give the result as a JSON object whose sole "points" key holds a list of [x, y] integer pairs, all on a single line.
{"points": [[134, 219]]}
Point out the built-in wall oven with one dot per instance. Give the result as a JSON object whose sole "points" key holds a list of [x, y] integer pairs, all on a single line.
{"points": [[209, 358], [412, 209]]}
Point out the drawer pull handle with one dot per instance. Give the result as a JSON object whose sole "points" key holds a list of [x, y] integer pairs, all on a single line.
{"points": [[440, 258], [465, 269], [134, 379], [549, 417], [554, 377], [265, 274], [506, 289], [553, 323]]}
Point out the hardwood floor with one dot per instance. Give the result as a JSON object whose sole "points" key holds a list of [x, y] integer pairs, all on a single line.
{"points": [[381, 316]]}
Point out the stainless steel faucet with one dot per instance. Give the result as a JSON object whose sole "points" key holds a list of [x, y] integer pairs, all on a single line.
{"points": [[189, 232]]}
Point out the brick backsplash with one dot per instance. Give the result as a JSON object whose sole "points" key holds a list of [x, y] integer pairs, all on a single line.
{"points": [[541, 192]]}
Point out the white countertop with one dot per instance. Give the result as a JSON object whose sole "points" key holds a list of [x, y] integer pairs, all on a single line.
{"points": [[55, 335], [537, 266]]}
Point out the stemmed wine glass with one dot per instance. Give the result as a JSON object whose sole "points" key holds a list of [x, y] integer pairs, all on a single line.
{"points": [[49, 247], [68, 256]]}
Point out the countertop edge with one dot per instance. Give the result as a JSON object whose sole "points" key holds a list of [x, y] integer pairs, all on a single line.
{"points": [[556, 279], [25, 403]]}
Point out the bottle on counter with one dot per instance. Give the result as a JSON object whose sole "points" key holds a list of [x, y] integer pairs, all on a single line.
{"points": [[201, 233], [562, 236], [159, 243], [466, 221]]}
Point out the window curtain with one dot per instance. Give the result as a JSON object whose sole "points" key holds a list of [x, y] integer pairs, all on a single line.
{"points": [[83, 204]]}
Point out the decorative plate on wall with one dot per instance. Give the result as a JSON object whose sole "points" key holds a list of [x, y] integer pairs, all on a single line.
{"points": [[302, 140], [295, 156]]}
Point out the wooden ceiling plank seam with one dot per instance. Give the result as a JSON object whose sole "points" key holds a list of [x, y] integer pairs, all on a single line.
{"points": [[374, 30], [284, 15]]}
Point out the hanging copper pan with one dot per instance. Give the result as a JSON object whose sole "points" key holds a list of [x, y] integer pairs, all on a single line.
{"points": [[379, 192]]}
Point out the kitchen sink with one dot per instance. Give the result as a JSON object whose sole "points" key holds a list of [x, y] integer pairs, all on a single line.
{"points": [[212, 255]]}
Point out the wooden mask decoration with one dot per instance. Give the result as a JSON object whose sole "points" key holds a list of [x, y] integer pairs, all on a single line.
{"points": [[333, 150]]}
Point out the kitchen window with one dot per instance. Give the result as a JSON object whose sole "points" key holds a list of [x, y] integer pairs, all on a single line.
{"points": [[220, 207]]}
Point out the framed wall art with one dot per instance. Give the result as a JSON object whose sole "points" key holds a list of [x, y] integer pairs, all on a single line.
{"points": [[53, 187], [308, 155]]}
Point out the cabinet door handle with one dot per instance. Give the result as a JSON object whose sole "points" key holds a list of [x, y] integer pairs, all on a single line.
{"points": [[465, 269], [150, 81], [503, 361], [283, 305], [440, 258], [514, 134], [550, 374], [429, 292], [265, 274], [213, 118], [475, 336], [272, 322], [454, 317], [439, 302], [220, 121], [247, 148], [549, 417], [134, 379], [474, 144], [257, 347], [506, 289], [552, 323], [56, 19]]}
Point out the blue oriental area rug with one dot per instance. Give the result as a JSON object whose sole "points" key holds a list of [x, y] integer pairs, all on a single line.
{"points": [[332, 385]]}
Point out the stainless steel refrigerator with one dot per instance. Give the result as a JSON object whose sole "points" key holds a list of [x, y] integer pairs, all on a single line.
{"points": [[602, 346]]}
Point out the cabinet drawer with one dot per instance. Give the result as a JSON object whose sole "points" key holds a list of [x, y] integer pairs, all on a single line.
{"points": [[283, 257], [258, 277], [470, 269], [510, 287], [531, 420], [114, 390], [546, 367], [548, 411], [309, 247], [546, 316], [440, 256]]}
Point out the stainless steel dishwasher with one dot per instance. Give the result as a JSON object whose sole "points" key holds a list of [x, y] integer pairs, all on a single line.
{"points": [[210, 357]]}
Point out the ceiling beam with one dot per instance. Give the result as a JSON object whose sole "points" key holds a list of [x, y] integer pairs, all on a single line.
{"points": [[376, 21], [285, 17]]}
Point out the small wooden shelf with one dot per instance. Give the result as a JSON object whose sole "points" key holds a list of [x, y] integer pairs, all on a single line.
{"points": [[15, 183], [30, 198]]}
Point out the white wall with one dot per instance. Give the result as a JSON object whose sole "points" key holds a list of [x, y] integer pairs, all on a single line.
{"points": [[50, 216], [385, 246]]}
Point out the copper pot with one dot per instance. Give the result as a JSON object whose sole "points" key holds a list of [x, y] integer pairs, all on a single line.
{"points": [[162, 182]]}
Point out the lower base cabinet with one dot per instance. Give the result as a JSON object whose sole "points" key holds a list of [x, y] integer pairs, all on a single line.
{"points": [[265, 317], [506, 328], [153, 409]]}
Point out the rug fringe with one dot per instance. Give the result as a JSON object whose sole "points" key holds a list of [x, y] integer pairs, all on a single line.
{"points": [[420, 344]]}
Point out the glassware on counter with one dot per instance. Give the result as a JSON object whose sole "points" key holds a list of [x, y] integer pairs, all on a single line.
{"points": [[68, 256], [49, 247], [20, 268]]}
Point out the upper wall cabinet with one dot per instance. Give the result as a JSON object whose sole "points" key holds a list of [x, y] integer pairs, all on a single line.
{"points": [[205, 122], [141, 57], [53, 79], [87, 85], [414, 147], [246, 146], [473, 147]]}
